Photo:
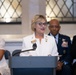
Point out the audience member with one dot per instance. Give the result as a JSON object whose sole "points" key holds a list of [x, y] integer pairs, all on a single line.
{"points": [[73, 54], [63, 45], [4, 69]]}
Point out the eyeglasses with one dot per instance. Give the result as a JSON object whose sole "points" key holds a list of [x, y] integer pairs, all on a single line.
{"points": [[40, 23]]}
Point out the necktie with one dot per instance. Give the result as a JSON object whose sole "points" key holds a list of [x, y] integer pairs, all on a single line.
{"points": [[55, 39]]}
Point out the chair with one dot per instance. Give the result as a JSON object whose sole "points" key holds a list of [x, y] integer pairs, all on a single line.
{"points": [[16, 52], [7, 54]]}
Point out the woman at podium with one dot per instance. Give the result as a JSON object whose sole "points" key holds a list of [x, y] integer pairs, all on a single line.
{"points": [[38, 43]]}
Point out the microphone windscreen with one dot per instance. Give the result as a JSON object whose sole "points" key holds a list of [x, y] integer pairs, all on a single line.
{"points": [[34, 46]]}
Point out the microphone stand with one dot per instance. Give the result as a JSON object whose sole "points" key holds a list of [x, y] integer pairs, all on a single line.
{"points": [[34, 47], [22, 51]]}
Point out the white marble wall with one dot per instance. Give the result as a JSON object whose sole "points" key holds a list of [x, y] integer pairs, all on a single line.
{"points": [[29, 9], [13, 45]]}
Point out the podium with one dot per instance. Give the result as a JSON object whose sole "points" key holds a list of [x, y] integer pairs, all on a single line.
{"points": [[33, 65]]}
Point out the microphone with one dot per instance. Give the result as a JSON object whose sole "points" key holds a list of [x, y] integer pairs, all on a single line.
{"points": [[18, 52], [34, 46]]}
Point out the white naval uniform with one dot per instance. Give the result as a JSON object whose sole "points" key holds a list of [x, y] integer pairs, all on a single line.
{"points": [[46, 47]]}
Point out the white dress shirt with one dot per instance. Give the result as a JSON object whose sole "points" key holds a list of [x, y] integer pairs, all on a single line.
{"points": [[56, 37], [46, 47]]}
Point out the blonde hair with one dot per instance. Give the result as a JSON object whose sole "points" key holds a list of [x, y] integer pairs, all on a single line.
{"points": [[35, 19]]}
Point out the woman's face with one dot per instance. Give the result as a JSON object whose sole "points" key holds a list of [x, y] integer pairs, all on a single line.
{"points": [[40, 26]]}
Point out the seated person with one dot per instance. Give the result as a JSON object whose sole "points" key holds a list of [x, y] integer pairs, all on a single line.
{"points": [[63, 45], [73, 54], [4, 69]]}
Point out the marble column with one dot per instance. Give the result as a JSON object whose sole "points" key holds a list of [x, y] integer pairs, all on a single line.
{"points": [[29, 9]]}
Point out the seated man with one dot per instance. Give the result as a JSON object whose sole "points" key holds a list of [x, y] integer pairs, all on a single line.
{"points": [[63, 43], [4, 69]]}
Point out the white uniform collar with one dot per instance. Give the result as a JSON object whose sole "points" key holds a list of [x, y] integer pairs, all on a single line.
{"points": [[33, 36], [34, 39], [55, 36]]}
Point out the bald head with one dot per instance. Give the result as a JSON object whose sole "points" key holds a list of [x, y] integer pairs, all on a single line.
{"points": [[54, 21], [54, 27]]}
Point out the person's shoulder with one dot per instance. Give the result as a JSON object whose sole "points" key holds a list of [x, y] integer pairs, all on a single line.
{"points": [[27, 37], [49, 37], [2, 40], [64, 36], [2, 43], [74, 36]]}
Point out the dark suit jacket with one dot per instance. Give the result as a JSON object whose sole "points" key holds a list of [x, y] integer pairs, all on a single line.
{"points": [[64, 51], [73, 48]]}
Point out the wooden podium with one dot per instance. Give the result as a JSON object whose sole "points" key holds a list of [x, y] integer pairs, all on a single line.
{"points": [[33, 65]]}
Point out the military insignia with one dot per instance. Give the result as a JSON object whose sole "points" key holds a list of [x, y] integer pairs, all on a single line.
{"points": [[64, 51], [33, 41], [63, 40], [64, 43]]}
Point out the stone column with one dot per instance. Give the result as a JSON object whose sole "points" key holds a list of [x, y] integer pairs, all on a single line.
{"points": [[29, 9]]}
